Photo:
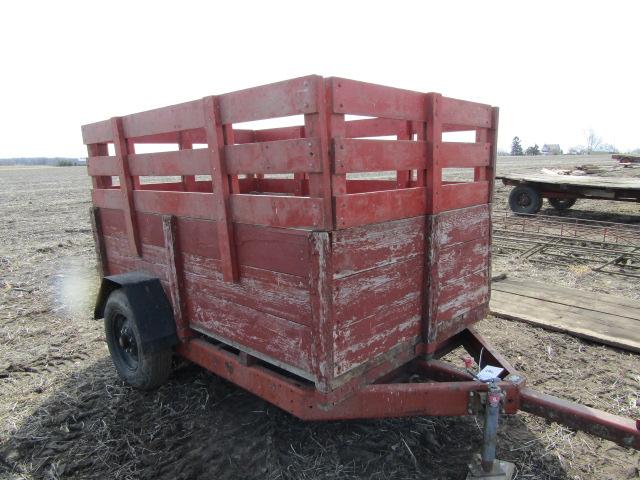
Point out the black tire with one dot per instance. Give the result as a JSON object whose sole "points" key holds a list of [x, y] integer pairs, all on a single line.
{"points": [[143, 370], [525, 199], [562, 203]]}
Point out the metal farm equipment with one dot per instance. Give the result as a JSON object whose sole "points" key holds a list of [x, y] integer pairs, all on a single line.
{"points": [[264, 257]]}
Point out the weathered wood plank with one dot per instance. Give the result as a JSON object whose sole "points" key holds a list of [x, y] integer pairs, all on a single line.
{"points": [[461, 225], [582, 181], [462, 259], [571, 297], [278, 211], [374, 207], [372, 127], [321, 300], [373, 292], [461, 155], [175, 276], [281, 156], [460, 195], [370, 246], [291, 97], [280, 250], [600, 327], [181, 162], [279, 294], [378, 155], [275, 337], [464, 113], [360, 98]]}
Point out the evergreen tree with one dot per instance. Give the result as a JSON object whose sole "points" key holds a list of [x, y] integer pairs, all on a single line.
{"points": [[535, 150], [516, 148]]}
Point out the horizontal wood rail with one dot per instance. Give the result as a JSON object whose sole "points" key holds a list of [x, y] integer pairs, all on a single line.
{"points": [[318, 155], [281, 156], [268, 210], [378, 155]]}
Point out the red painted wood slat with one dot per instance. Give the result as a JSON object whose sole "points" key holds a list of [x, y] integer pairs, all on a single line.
{"points": [[375, 207], [102, 165], [373, 127], [291, 97], [463, 113], [360, 98], [278, 211], [281, 156], [460, 155], [378, 155], [282, 133], [461, 195]]}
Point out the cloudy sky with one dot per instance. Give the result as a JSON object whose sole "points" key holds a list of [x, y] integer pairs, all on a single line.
{"points": [[556, 69]]}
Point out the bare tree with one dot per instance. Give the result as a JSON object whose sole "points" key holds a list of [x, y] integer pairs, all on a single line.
{"points": [[593, 141]]}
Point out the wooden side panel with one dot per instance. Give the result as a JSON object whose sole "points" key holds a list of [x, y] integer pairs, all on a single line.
{"points": [[377, 291], [278, 294], [459, 271], [288, 249], [266, 313], [363, 248], [251, 330]]}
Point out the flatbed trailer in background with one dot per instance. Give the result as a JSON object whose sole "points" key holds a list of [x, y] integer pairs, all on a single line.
{"points": [[626, 158], [261, 258], [563, 191]]}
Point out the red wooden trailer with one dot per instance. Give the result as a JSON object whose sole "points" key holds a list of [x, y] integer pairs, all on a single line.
{"points": [[271, 258]]}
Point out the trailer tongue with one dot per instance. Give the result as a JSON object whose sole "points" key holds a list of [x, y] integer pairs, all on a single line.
{"points": [[277, 262]]}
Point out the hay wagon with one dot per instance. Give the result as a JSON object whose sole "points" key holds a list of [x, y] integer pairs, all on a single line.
{"points": [[272, 258], [562, 191]]}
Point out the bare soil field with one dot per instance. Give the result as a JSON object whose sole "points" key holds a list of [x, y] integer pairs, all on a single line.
{"points": [[64, 413]]}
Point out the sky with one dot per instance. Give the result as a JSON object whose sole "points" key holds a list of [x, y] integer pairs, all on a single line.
{"points": [[555, 69]]}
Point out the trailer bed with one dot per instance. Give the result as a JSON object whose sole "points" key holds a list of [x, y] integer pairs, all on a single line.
{"points": [[575, 180], [562, 191]]}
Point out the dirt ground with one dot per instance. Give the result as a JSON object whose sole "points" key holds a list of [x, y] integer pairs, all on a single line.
{"points": [[65, 414]]}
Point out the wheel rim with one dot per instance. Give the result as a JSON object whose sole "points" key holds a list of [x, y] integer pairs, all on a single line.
{"points": [[125, 341], [523, 200]]}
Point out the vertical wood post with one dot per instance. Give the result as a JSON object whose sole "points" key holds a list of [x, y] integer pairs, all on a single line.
{"points": [[175, 275], [126, 185], [221, 193], [434, 140], [318, 125], [229, 139], [322, 309], [188, 181], [403, 177], [421, 136], [102, 265]]}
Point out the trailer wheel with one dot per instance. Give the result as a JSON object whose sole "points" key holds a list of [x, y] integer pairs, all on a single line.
{"points": [[525, 199], [562, 203], [140, 369]]}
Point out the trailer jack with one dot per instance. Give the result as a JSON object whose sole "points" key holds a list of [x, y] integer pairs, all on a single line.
{"points": [[485, 466]]}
